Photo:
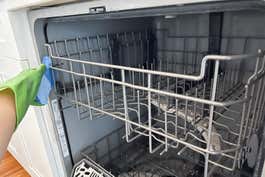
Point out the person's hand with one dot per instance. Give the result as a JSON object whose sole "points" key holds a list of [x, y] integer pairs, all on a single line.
{"points": [[25, 87]]}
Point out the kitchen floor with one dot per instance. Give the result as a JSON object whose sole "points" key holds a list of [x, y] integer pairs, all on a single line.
{"points": [[9, 167]]}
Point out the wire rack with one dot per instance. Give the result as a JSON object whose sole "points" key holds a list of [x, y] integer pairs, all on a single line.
{"points": [[132, 159], [211, 106]]}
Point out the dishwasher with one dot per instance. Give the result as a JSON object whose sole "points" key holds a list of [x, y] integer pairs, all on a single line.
{"points": [[158, 92]]}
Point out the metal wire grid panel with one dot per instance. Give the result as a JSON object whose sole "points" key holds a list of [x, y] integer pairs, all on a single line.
{"points": [[182, 111], [132, 159]]}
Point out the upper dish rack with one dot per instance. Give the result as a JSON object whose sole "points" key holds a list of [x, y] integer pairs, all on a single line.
{"points": [[212, 107]]}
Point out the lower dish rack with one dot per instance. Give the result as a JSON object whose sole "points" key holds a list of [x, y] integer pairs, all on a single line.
{"points": [[213, 116], [133, 159]]}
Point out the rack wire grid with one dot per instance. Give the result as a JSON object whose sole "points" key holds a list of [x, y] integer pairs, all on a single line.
{"points": [[132, 159], [210, 104]]}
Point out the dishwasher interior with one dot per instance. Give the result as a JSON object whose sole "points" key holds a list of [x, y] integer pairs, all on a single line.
{"points": [[169, 95]]}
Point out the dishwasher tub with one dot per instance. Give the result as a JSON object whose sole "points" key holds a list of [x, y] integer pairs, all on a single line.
{"points": [[188, 98]]}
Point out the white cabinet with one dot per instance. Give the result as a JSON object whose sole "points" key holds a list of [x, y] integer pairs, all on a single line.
{"points": [[37, 162], [7, 42]]}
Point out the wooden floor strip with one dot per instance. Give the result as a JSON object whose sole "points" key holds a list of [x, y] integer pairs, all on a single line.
{"points": [[9, 167]]}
